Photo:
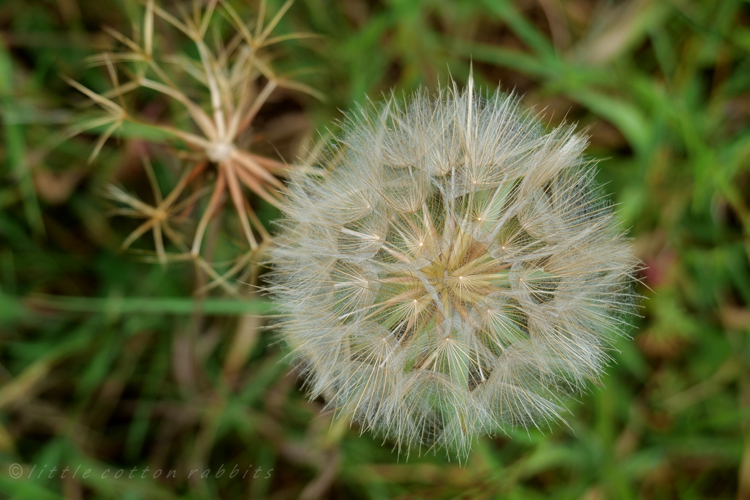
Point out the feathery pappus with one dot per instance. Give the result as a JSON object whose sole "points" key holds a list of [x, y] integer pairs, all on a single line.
{"points": [[449, 268]]}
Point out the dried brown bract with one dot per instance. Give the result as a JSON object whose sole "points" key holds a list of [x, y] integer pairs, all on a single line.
{"points": [[221, 89]]}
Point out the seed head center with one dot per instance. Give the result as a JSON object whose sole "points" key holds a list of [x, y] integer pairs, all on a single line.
{"points": [[219, 151]]}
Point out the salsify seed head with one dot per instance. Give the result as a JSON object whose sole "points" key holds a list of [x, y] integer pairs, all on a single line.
{"points": [[449, 269]]}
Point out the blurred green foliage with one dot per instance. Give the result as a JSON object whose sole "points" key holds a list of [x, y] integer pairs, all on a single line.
{"points": [[110, 362]]}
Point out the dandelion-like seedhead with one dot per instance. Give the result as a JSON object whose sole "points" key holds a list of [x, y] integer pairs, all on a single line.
{"points": [[450, 269]]}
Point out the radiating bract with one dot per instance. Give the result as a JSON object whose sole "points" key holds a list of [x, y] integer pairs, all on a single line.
{"points": [[450, 268]]}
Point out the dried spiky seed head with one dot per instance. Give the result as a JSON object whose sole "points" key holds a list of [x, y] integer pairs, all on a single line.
{"points": [[450, 269]]}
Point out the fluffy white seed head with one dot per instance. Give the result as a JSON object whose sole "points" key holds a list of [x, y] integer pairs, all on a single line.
{"points": [[449, 269]]}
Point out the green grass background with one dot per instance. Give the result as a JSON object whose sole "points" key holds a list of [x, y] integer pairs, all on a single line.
{"points": [[93, 370]]}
